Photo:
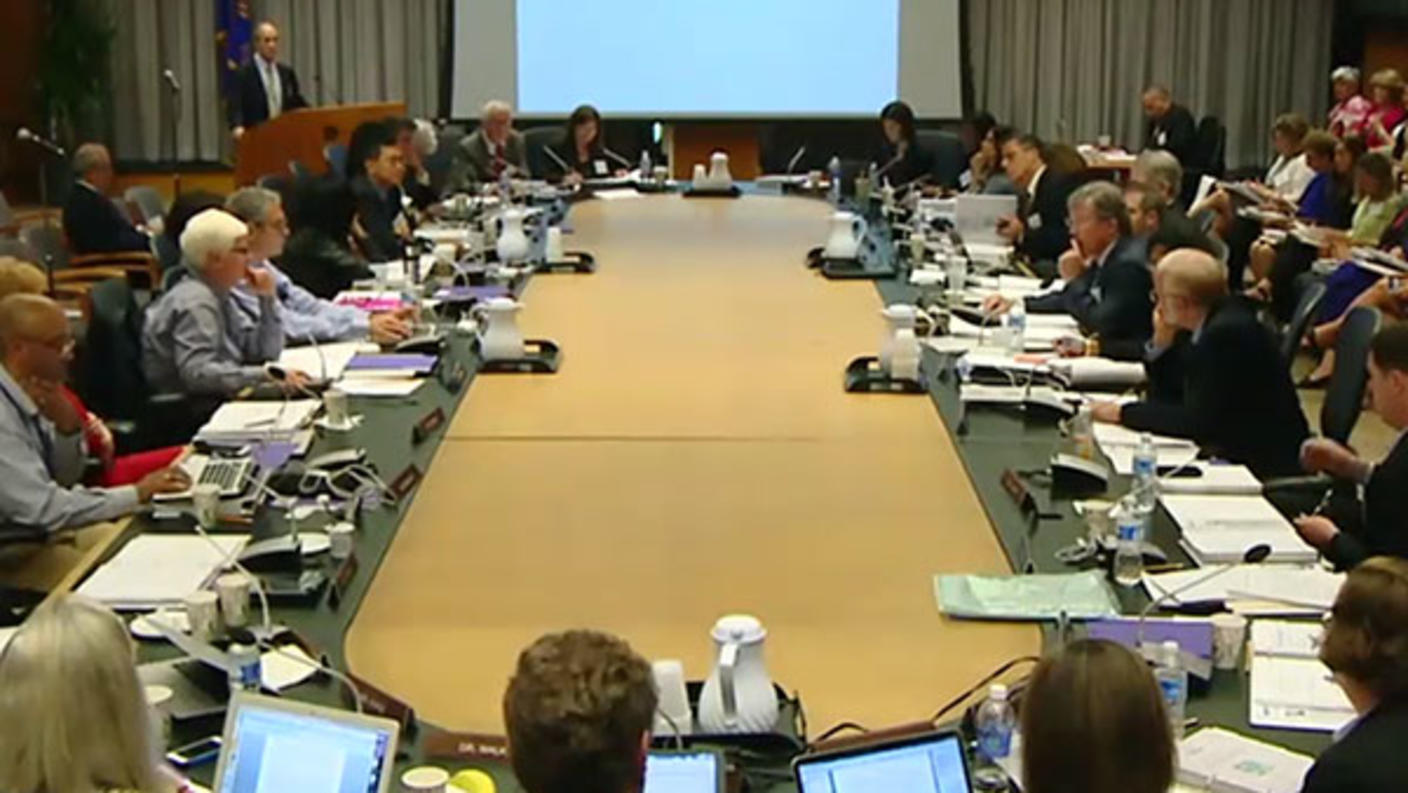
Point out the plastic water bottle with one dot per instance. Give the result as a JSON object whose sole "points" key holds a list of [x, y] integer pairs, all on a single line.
{"points": [[1128, 566], [1017, 327], [1146, 478], [1173, 682], [505, 187], [244, 667], [645, 165], [964, 368], [995, 722], [833, 169]]}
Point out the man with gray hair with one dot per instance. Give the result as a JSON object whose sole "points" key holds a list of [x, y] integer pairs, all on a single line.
{"points": [[1107, 278], [305, 317], [92, 221], [1168, 125], [1160, 170], [42, 452], [493, 149], [193, 343]]}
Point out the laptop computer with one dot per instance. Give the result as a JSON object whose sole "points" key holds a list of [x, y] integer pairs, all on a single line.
{"points": [[230, 474], [685, 771], [275, 745], [928, 763]]}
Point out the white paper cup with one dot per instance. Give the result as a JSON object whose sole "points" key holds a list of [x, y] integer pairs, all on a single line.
{"points": [[1229, 635], [335, 407], [673, 699], [699, 172], [813, 180], [1103, 141], [159, 702], [660, 173], [205, 502], [917, 244], [233, 589], [340, 535], [203, 613], [425, 779]]}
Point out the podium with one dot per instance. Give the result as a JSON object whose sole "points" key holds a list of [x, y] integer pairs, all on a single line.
{"points": [[300, 135]]}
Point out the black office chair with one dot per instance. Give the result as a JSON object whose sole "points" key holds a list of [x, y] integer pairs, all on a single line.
{"points": [[1304, 314], [1209, 156], [148, 202], [948, 155], [535, 140]]}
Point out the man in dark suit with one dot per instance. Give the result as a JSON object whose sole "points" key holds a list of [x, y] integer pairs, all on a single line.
{"points": [[381, 222], [1168, 125], [1107, 276], [91, 220], [1377, 524], [493, 149], [1238, 401], [1039, 229], [1165, 227], [264, 88]]}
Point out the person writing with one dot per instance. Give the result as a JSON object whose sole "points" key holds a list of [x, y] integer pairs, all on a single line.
{"points": [[1366, 647], [192, 343], [42, 450], [1352, 530], [1237, 399], [582, 155]]}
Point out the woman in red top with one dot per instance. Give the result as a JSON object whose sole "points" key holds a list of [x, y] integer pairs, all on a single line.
{"points": [[1386, 88]]}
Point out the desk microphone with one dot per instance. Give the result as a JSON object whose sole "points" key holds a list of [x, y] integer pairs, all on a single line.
{"points": [[1253, 555], [552, 155], [24, 133], [796, 158], [170, 78], [618, 158], [895, 160]]}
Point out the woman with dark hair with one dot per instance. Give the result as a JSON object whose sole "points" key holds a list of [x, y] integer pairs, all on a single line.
{"points": [[183, 208], [1366, 647], [319, 257], [581, 155], [1094, 721], [902, 159]]}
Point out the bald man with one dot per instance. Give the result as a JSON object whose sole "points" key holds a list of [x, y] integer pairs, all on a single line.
{"points": [[264, 88], [1216, 373], [1168, 125], [42, 455]]}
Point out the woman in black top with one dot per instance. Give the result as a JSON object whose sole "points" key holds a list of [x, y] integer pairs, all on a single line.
{"points": [[582, 150], [319, 257], [902, 159]]}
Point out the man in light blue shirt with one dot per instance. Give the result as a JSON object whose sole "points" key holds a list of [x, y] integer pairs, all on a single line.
{"points": [[306, 317], [42, 454], [194, 342]]}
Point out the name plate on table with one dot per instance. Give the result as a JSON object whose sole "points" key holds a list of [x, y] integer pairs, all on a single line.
{"points": [[466, 746], [402, 485], [340, 581], [379, 703], [433, 421]]}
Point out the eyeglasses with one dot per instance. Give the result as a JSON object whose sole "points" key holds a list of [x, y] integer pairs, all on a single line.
{"points": [[62, 345]]}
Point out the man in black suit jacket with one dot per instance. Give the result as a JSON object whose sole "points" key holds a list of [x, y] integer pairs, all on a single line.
{"points": [[1377, 525], [1168, 125], [1238, 401], [91, 220], [1039, 229], [255, 81], [381, 222], [1107, 276]]}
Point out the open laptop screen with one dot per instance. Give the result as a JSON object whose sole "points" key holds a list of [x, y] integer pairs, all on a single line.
{"points": [[272, 748], [931, 764], [683, 772]]}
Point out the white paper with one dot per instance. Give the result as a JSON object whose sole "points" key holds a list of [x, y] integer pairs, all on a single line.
{"points": [[1089, 371], [1222, 528], [251, 420], [1287, 638], [1247, 581], [1296, 693], [324, 360], [153, 570], [616, 194], [1214, 479], [285, 666], [380, 387], [1214, 758], [976, 217]]}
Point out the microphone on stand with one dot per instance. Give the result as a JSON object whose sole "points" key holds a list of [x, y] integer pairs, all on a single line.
{"points": [[796, 158], [170, 78], [24, 133], [625, 163], [1253, 555], [552, 155], [895, 160]]}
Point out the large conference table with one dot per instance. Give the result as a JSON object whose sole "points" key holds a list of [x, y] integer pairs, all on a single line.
{"points": [[695, 456]]}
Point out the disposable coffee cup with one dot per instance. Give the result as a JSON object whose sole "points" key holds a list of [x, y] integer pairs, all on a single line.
{"points": [[660, 173], [233, 590], [205, 502], [159, 703], [340, 535], [1103, 141], [203, 614], [425, 779], [1229, 636], [699, 172], [335, 407]]}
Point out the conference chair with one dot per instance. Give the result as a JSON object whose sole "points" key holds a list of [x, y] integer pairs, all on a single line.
{"points": [[440, 164], [51, 252], [949, 157], [535, 139], [1306, 308]]}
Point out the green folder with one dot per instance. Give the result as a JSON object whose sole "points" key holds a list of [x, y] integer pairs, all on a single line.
{"points": [[1025, 598]]}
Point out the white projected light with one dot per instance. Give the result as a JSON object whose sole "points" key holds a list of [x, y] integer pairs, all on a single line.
{"points": [[720, 59]]}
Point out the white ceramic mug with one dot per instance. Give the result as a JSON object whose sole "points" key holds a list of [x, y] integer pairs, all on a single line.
{"points": [[335, 408], [205, 501], [340, 536]]}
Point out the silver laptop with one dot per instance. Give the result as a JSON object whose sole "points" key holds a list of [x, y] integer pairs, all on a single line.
{"points": [[276, 745]]}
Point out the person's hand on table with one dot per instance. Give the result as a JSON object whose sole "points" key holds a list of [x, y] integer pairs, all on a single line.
{"points": [[1072, 263], [1317, 530], [1328, 456], [48, 396], [389, 327], [172, 479], [1070, 347], [1011, 228], [294, 381], [996, 305], [261, 281], [1105, 411]]}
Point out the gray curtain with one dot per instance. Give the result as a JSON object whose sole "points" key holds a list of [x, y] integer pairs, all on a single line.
{"points": [[345, 51], [1074, 69]]}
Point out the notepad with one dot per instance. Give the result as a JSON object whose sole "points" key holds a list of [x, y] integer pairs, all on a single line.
{"points": [[1220, 529], [1093, 372], [1223, 479], [1301, 589], [1216, 759], [1296, 694], [326, 361], [250, 421], [156, 570], [1286, 638]]}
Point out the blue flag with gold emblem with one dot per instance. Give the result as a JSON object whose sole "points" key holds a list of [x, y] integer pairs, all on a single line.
{"points": [[234, 36]]}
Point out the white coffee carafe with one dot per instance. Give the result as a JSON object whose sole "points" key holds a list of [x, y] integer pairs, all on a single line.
{"points": [[738, 697], [499, 336], [847, 230], [513, 242], [899, 349], [719, 175]]}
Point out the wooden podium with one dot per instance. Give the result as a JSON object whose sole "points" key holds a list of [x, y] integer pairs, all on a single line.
{"points": [[300, 135]]}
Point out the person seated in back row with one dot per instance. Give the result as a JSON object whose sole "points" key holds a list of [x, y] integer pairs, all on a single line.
{"points": [[493, 149], [578, 712], [42, 448], [1354, 529], [92, 222], [1237, 399], [1038, 230], [1106, 274], [901, 160]]}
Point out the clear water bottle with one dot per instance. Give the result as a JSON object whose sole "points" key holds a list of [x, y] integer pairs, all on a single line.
{"points": [[244, 667], [645, 165], [995, 722], [505, 187], [964, 368], [1017, 327], [1128, 566], [833, 169], [1146, 478], [1173, 682]]}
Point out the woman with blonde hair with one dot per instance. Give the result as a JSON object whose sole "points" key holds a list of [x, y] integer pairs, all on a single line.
{"points": [[1386, 88], [73, 716]]}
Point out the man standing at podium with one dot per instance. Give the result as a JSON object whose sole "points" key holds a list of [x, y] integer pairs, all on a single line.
{"points": [[263, 88]]}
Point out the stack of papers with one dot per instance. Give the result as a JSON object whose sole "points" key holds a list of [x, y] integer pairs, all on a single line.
{"points": [[1119, 444], [1308, 590], [1295, 694], [246, 422], [1025, 597], [157, 570], [1216, 759], [324, 361], [1220, 529], [1213, 478], [1100, 372]]}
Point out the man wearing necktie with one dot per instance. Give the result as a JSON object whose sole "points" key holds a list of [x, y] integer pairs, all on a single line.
{"points": [[264, 88]]}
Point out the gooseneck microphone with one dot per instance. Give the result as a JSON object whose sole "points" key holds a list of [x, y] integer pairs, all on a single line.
{"points": [[25, 134]]}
